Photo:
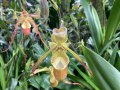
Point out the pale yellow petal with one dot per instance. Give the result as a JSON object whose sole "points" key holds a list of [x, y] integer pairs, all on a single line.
{"points": [[25, 25]]}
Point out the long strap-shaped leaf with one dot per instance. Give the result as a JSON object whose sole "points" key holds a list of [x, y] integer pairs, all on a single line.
{"points": [[106, 76], [2, 78], [113, 21], [94, 23]]}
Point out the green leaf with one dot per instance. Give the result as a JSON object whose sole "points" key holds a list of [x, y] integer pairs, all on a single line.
{"points": [[81, 81], [117, 65], [105, 75], [38, 50], [27, 66], [22, 85], [4, 26], [2, 64], [113, 56], [74, 21], [54, 4], [85, 76], [94, 24], [113, 21], [40, 81], [13, 83], [2, 79], [63, 86]]}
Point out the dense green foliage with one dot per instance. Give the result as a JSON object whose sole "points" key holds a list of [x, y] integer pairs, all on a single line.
{"points": [[95, 40]]}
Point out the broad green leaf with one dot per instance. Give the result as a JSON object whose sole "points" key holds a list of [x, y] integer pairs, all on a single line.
{"points": [[40, 81], [105, 75], [113, 21], [38, 50], [94, 23], [13, 83]]}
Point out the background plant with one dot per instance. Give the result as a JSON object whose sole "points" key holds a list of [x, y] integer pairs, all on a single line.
{"points": [[98, 27]]}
